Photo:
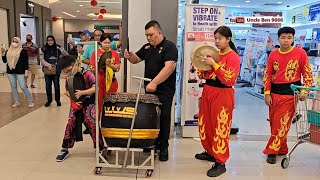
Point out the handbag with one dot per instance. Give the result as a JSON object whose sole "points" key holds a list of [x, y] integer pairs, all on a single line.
{"points": [[52, 71]]}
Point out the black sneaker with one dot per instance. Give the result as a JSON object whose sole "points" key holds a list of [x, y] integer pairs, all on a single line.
{"points": [[164, 155], [47, 104], [216, 170], [205, 156], [86, 131], [272, 159], [62, 155], [58, 103]]}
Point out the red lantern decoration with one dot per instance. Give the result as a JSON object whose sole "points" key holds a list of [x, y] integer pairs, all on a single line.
{"points": [[54, 18], [103, 11], [96, 14], [94, 3], [100, 17]]}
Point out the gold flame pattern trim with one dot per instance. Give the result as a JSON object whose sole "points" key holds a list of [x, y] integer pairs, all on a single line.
{"points": [[229, 74], [202, 129], [308, 79], [265, 78], [282, 132], [222, 132], [291, 70]]}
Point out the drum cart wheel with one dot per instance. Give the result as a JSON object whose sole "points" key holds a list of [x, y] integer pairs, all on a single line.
{"points": [[97, 170], [148, 173], [285, 162]]}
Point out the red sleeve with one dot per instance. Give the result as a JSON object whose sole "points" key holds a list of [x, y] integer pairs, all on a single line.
{"points": [[306, 70], [228, 74], [92, 60], [116, 57], [116, 60], [268, 75]]}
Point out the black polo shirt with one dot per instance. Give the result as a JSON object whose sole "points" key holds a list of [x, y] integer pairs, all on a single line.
{"points": [[155, 58]]}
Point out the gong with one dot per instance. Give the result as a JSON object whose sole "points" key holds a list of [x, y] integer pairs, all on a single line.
{"points": [[201, 51], [76, 82]]}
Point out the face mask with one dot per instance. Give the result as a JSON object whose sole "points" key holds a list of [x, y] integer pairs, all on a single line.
{"points": [[28, 40], [15, 45]]}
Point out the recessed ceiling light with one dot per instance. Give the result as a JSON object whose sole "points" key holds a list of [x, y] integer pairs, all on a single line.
{"points": [[279, 2], [247, 1], [78, 11], [94, 19], [215, 0], [80, 5]]}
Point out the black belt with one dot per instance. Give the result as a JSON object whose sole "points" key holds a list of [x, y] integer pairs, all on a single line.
{"points": [[284, 88], [216, 83]]}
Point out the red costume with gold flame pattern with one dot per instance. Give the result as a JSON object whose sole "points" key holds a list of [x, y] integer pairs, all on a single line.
{"points": [[283, 69], [217, 103]]}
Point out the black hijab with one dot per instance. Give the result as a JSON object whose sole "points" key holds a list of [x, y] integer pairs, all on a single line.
{"points": [[53, 47]]}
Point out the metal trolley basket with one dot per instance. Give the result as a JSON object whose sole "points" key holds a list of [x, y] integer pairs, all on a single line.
{"points": [[307, 120]]}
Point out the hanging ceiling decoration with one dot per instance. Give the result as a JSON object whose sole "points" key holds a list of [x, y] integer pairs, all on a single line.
{"points": [[94, 3]]}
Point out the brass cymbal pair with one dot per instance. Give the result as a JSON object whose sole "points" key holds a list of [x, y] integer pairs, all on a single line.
{"points": [[201, 51]]}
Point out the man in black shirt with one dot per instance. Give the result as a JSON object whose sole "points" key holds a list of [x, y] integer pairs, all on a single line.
{"points": [[160, 56]]}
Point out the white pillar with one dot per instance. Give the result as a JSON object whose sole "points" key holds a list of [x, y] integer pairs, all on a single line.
{"points": [[139, 14]]}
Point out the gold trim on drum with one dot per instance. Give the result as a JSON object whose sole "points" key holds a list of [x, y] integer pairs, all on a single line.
{"points": [[124, 133]]}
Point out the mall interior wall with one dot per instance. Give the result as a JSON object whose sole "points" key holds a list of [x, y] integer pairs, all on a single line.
{"points": [[17, 7]]}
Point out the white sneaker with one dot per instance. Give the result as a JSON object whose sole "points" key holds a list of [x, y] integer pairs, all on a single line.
{"points": [[31, 105], [15, 105]]}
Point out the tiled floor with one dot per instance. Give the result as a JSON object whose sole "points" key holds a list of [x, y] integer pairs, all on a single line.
{"points": [[29, 145]]}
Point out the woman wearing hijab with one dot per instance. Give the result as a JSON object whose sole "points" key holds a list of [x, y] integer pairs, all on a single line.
{"points": [[17, 68], [51, 53]]}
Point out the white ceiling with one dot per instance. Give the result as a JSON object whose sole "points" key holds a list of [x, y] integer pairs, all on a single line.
{"points": [[261, 4], [113, 7]]}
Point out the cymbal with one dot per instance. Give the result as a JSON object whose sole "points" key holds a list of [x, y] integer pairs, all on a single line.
{"points": [[76, 82], [200, 51]]}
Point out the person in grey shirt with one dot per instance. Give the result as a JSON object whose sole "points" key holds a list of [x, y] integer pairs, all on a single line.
{"points": [[33, 54]]}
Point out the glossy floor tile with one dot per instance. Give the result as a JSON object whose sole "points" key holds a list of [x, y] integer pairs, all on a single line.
{"points": [[30, 143]]}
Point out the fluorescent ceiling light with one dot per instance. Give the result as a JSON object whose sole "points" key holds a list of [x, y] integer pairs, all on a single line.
{"points": [[99, 2], [108, 16], [247, 1], [54, 1], [68, 14], [215, 0], [78, 11], [80, 5], [238, 6], [279, 2]]}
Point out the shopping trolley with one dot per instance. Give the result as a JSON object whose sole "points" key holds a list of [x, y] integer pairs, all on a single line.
{"points": [[308, 122]]}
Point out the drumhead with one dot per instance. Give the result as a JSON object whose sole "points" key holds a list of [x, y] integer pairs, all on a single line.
{"points": [[129, 97], [76, 82]]}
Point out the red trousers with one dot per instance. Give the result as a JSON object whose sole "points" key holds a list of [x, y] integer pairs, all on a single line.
{"points": [[280, 114], [215, 118]]}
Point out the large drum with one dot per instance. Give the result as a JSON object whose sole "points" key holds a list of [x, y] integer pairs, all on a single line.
{"points": [[117, 115]]}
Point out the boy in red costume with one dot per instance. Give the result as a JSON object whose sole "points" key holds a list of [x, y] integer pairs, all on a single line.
{"points": [[285, 66]]}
